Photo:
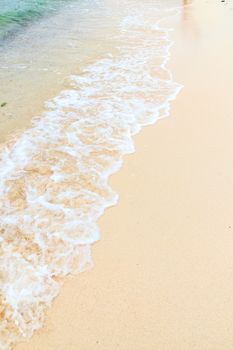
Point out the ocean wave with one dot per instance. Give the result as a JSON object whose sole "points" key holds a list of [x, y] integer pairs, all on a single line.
{"points": [[54, 176]]}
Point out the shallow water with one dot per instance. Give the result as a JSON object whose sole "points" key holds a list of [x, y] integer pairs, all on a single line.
{"points": [[104, 61], [14, 14]]}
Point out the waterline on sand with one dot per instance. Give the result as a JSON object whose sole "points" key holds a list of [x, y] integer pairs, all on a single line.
{"points": [[54, 177]]}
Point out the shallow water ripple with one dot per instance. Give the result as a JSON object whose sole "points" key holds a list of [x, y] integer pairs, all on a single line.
{"points": [[54, 177]]}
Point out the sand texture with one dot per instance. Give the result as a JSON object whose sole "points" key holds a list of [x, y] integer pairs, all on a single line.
{"points": [[162, 278]]}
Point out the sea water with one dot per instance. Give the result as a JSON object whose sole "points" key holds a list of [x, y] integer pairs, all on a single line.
{"points": [[54, 175], [15, 14]]}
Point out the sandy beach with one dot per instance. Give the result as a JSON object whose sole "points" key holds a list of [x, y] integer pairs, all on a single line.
{"points": [[162, 275]]}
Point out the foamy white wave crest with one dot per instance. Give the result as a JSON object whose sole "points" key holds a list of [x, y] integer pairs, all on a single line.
{"points": [[54, 177]]}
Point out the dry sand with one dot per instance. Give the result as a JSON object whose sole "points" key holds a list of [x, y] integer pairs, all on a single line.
{"points": [[163, 275]]}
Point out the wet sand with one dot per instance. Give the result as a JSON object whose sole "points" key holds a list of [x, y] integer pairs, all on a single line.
{"points": [[163, 268]]}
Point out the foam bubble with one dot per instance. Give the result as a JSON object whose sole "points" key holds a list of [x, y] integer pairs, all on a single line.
{"points": [[54, 177]]}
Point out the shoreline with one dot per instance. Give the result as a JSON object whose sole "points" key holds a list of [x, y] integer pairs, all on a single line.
{"points": [[162, 280], [77, 183]]}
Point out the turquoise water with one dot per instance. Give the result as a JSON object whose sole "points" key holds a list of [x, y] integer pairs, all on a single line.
{"points": [[16, 13]]}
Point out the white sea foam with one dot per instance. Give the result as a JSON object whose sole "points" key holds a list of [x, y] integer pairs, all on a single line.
{"points": [[54, 177]]}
